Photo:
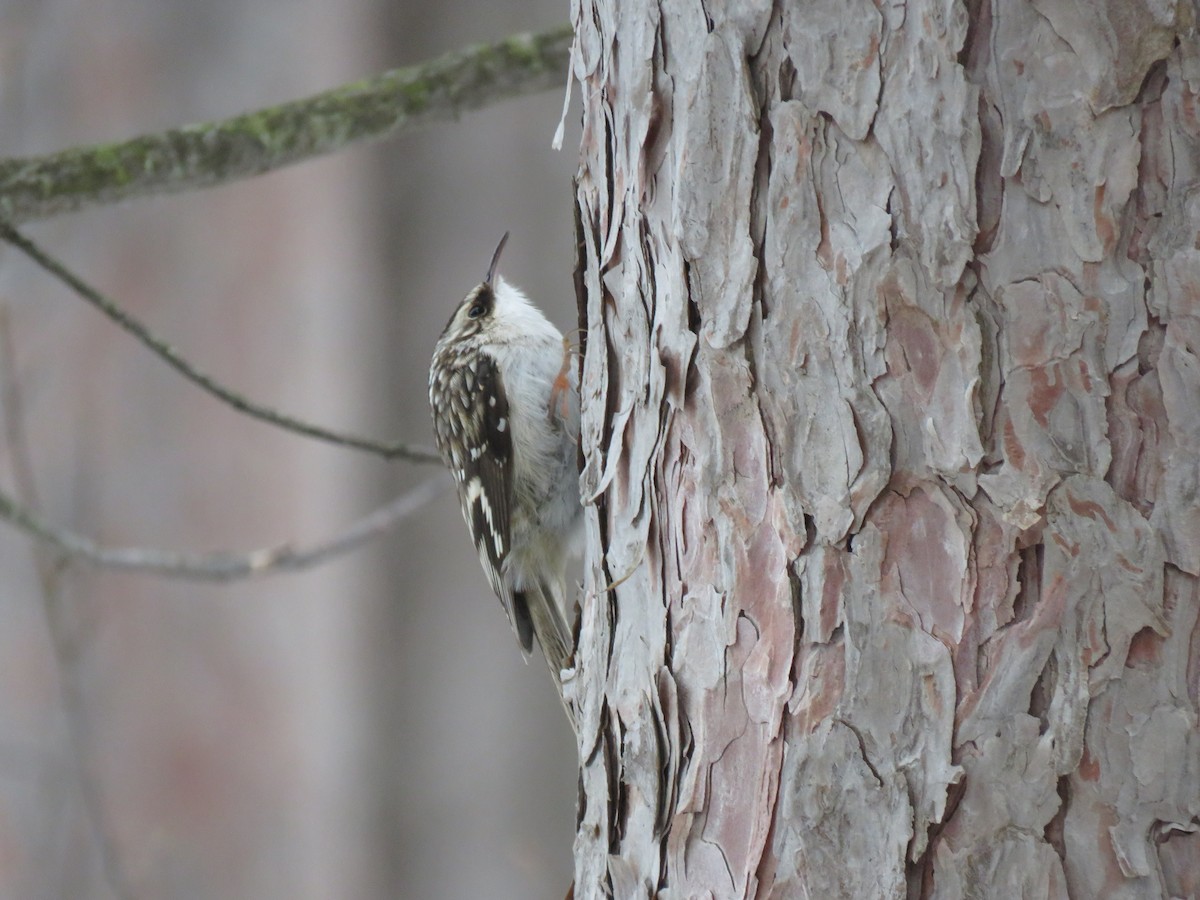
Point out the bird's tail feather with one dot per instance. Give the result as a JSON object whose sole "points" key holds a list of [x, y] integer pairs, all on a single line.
{"points": [[553, 629]]}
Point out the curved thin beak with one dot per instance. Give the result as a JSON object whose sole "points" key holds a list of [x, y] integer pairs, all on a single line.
{"points": [[496, 259]]}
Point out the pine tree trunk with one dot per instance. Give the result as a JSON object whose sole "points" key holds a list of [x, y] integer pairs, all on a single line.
{"points": [[892, 435]]}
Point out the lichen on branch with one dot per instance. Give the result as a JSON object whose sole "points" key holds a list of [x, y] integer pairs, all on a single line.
{"points": [[212, 153]]}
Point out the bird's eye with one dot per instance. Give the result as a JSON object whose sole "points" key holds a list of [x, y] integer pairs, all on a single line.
{"points": [[475, 311]]}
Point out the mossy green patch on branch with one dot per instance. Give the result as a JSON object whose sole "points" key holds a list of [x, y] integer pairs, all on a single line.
{"points": [[207, 154]]}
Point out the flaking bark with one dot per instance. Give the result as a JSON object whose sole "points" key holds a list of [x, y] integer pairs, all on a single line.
{"points": [[892, 430]]}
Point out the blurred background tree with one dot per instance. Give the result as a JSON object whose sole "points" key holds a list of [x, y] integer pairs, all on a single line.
{"points": [[366, 729]]}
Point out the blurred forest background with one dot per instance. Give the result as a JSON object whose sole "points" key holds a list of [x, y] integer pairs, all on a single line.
{"points": [[367, 729]]}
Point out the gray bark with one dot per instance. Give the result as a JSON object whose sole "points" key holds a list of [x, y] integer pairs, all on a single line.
{"points": [[892, 435]]}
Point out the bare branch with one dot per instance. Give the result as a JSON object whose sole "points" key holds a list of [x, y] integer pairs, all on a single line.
{"points": [[175, 360], [212, 153], [221, 565]]}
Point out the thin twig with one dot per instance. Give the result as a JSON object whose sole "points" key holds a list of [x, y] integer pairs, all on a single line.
{"points": [[180, 364], [221, 565], [212, 153]]}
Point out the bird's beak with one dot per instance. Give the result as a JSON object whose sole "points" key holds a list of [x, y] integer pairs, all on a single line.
{"points": [[496, 259]]}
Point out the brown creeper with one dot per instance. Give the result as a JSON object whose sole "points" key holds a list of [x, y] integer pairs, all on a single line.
{"points": [[508, 433]]}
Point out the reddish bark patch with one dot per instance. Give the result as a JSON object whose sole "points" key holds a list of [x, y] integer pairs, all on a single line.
{"points": [[1145, 650], [1089, 767], [1091, 510], [1014, 450], [920, 566], [834, 580], [914, 334], [1044, 394]]}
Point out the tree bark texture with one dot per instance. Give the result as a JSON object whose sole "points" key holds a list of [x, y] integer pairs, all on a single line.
{"points": [[892, 437]]}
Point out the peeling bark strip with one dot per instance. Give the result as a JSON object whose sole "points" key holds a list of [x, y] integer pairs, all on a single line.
{"points": [[892, 427]]}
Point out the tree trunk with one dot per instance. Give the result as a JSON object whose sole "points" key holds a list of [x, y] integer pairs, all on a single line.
{"points": [[892, 436]]}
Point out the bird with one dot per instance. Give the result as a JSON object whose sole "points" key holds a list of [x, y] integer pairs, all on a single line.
{"points": [[505, 403]]}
